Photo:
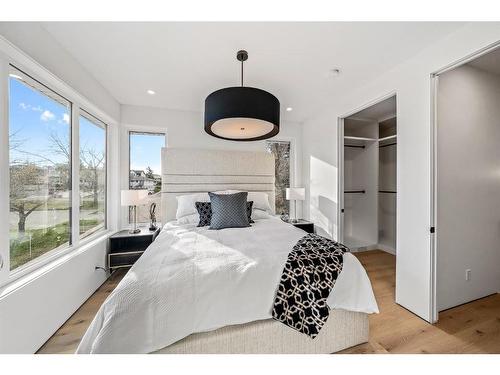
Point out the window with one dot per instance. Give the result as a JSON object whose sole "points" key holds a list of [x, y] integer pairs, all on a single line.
{"points": [[145, 170], [39, 169], [281, 152], [92, 174]]}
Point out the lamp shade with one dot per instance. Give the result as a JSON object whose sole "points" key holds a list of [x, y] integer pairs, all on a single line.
{"points": [[242, 114], [133, 197], [295, 194]]}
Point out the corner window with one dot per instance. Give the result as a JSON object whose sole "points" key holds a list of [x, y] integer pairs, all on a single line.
{"points": [[92, 174], [39, 169], [145, 170], [281, 152]]}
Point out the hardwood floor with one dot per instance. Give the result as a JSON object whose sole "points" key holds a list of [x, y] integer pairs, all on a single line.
{"points": [[470, 328], [67, 338]]}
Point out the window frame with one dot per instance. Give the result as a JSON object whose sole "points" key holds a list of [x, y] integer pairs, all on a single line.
{"points": [[148, 131], [293, 163], [11, 55], [70, 104], [98, 122]]}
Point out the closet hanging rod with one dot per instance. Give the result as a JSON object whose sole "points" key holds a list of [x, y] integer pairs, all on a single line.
{"points": [[387, 191], [354, 192], [354, 146], [390, 144]]}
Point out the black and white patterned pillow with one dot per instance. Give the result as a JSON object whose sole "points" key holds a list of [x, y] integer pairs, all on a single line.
{"points": [[229, 210], [205, 211]]}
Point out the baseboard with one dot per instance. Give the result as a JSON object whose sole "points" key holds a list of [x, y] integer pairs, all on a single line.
{"points": [[387, 249], [384, 248], [363, 248]]}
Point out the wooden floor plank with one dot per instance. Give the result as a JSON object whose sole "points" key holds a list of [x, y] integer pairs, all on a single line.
{"points": [[469, 328]]}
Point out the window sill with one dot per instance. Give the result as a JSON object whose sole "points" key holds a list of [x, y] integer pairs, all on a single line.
{"points": [[24, 276]]}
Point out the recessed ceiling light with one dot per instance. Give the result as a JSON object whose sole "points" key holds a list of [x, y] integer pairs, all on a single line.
{"points": [[289, 109], [151, 92], [16, 76], [334, 72]]}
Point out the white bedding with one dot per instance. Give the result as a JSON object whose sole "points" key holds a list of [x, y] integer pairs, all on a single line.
{"points": [[195, 280]]}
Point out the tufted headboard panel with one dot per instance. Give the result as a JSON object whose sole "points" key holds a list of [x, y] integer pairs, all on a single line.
{"points": [[188, 171]]}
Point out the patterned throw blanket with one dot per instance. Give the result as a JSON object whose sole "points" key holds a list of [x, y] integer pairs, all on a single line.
{"points": [[309, 275]]}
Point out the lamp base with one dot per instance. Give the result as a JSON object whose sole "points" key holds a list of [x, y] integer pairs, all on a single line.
{"points": [[134, 231]]}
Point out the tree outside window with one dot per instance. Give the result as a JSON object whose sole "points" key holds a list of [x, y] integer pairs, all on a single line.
{"points": [[281, 152]]}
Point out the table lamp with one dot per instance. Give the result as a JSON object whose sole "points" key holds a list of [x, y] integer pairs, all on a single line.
{"points": [[295, 194], [133, 198]]}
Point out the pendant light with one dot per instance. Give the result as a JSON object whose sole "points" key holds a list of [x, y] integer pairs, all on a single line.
{"points": [[242, 113]]}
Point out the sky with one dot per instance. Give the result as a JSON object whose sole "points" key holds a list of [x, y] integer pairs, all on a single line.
{"points": [[33, 117], [145, 150]]}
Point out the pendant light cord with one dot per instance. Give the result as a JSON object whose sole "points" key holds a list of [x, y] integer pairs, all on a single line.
{"points": [[241, 73]]}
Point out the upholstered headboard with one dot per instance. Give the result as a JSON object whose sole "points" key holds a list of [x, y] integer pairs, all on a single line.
{"points": [[187, 171]]}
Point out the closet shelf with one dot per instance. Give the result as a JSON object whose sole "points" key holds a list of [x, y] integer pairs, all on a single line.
{"points": [[359, 138], [387, 138]]}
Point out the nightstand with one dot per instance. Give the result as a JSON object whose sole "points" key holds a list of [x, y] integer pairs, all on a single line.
{"points": [[125, 248], [306, 226]]}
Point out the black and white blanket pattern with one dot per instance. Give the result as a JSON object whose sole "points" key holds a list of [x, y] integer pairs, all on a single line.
{"points": [[309, 275]]}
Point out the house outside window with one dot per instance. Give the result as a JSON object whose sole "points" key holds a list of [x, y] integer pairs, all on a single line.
{"points": [[145, 170]]}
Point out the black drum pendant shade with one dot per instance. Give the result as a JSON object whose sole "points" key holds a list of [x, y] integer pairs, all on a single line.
{"points": [[242, 113]]}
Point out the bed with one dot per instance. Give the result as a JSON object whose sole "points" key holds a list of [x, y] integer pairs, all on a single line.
{"points": [[197, 290]]}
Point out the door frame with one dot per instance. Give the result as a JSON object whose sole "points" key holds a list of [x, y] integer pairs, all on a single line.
{"points": [[434, 86], [340, 158]]}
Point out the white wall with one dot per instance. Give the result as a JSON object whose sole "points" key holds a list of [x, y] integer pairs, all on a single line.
{"points": [[411, 82], [184, 129], [36, 42], [31, 313], [33, 306], [360, 173], [387, 201], [468, 182]]}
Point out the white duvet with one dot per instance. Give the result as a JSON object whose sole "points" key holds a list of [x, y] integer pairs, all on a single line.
{"points": [[195, 280]]}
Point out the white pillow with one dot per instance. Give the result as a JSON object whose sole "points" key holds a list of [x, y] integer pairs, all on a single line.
{"points": [[186, 204], [260, 199]]}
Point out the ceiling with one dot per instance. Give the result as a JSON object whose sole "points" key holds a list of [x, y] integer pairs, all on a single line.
{"points": [[377, 112], [489, 62], [184, 62]]}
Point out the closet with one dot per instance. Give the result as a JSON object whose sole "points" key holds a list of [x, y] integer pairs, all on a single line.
{"points": [[369, 178], [467, 178]]}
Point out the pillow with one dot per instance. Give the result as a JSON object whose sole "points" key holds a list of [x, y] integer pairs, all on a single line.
{"points": [[205, 212], [186, 203], [229, 210], [259, 198]]}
